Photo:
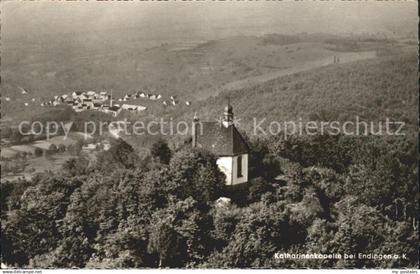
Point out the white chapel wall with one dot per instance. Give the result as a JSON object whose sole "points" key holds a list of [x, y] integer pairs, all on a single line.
{"points": [[225, 164]]}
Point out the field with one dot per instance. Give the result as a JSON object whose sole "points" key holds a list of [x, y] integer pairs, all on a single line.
{"points": [[35, 165], [21, 160]]}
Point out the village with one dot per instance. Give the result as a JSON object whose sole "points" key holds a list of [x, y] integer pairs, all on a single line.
{"points": [[103, 101]]}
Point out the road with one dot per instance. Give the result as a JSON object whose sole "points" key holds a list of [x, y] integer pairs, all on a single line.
{"points": [[344, 57]]}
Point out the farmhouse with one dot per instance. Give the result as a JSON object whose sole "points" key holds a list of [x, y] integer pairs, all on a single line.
{"points": [[133, 107], [88, 102], [68, 101], [23, 91], [225, 141], [153, 97], [76, 94], [23, 149], [91, 93], [44, 145], [61, 140], [114, 110], [97, 106]]}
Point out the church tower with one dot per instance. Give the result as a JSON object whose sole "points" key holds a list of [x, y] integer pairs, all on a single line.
{"points": [[224, 141], [228, 116]]}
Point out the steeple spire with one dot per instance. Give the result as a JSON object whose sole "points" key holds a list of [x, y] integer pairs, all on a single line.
{"points": [[228, 115]]}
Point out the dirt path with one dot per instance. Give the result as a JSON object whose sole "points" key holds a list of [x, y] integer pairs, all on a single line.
{"points": [[344, 57]]}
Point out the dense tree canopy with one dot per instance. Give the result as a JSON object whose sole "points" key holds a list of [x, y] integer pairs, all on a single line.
{"points": [[165, 214], [306, 194]]}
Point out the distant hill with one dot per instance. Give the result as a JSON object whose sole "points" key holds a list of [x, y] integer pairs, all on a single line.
{"points": [[191, 70], [372, 89]]}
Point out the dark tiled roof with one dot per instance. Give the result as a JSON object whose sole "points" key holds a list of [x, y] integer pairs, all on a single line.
{"points": [[114, 108], [220, 140]]}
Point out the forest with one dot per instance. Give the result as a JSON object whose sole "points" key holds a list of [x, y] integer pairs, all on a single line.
{"points": [[372, 89], [154, 201], [330, 194], [336, 194]]}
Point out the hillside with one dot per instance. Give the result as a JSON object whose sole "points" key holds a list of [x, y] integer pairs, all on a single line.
{"points": [[191, 70], [372, 89]]}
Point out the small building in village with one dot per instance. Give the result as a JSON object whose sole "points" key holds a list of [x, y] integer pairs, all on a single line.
{"points": [[133, 107], [76, 94], [114, 110]]}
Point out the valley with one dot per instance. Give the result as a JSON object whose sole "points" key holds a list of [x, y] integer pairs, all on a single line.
{"points": [[191, 71]]}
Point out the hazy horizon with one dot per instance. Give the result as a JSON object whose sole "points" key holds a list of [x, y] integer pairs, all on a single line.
{"points": [[205, 20]]}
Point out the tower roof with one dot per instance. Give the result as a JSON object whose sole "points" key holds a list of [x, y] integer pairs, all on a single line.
{"points": [[220, 140], [228, 108]]}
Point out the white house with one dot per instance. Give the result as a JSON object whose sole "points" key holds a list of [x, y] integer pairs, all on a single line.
{"points": [[76, 94], [133, 107], [23, 91], [153, 97], [91, 93], [114, 110], [225, 141], [88, 102]]}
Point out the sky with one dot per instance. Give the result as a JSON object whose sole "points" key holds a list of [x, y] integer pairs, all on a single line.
{"points": [[208, 19]]}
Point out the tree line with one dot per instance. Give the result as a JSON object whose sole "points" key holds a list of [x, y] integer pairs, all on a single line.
{"points": [[335, 194]]}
